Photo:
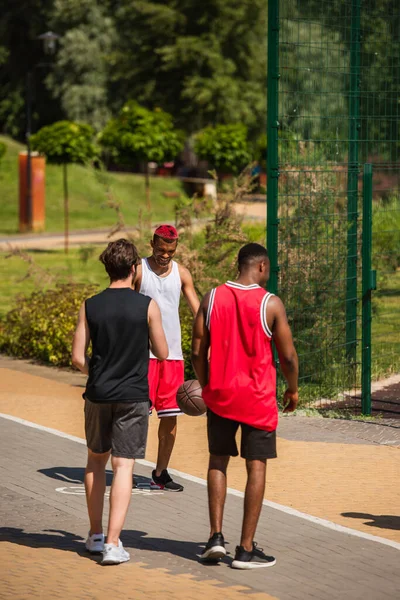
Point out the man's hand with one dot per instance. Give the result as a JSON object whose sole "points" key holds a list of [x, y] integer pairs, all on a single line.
{"points": [[290, 401]]}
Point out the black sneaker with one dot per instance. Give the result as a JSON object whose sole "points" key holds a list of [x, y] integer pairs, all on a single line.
{"points": [[164, 482], [215, 548], [252, 560]]}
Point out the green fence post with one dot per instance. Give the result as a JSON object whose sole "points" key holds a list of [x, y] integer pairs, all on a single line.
{"points": [[352, 183], [368, 284], [272, 141]]}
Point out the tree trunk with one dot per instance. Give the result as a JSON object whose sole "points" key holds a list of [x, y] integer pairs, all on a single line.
{"points": [[66, 210]]}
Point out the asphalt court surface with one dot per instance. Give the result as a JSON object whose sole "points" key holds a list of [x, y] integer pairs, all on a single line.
{"points": [[43, 506]]}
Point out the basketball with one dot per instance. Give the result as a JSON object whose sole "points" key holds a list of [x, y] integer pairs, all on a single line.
{"points": [[189, 398]]}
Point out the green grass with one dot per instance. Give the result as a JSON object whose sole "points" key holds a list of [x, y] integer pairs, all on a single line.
{"points": [[18, 277], [50, 266], [87, 195], [386, 327]]}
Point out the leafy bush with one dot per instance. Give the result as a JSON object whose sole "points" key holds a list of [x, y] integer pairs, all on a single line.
{"points": [[42, 325], [65, 142], [139, 134], [187, 327], [312, 282], [225, 147]]}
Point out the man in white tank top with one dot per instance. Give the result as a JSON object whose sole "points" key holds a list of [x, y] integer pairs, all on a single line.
{"points": [[163, 279]]}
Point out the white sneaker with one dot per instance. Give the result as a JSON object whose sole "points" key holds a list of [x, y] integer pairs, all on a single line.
{"points": [[95, 543], [114, 555]]}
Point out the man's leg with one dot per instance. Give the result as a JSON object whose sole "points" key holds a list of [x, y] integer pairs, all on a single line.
{"points": [[95, 486], [216, 485], [221, 445], [129, 437], [169, 377], [120, 496], [253, 499], [256, 446], [166, 441]]}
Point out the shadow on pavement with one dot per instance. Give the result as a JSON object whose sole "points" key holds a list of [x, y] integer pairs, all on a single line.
{"points": [[382, 521], [71, 474], [75, 475], [137, 540], [57, 539]]}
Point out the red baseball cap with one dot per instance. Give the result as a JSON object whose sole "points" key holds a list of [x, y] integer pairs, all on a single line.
{"points": [[167, 232]]}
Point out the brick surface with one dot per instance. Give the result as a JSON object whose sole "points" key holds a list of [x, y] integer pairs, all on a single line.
{"points": [[318, 429], [43, 530], [346, 472]]}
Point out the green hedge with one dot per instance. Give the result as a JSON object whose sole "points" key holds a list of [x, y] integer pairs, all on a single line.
{"points": [[42, 325]]}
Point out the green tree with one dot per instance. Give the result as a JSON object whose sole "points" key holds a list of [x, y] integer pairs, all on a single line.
{"points": [[305, 112], [62, 143], [225, 147], [80, 75], [204, 62], [379, 72], [140, 135], [21, 52]]}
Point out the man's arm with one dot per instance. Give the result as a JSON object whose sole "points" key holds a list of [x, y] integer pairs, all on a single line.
{"points": [[81, 342], [188, 290], [282, 336], [158, 342], [138, 279], [201, 343]]}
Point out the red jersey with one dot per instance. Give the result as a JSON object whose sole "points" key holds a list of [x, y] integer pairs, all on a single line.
{"points": [[242, 375]]}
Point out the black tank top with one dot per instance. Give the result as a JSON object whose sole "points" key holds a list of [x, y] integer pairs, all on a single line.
{"points": [[119, 331]]}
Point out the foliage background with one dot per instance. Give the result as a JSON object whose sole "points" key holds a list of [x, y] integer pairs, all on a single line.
{"points": [[203, 62]]}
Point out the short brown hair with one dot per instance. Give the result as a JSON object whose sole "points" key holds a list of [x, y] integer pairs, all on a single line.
{"points": [[118, 258]]}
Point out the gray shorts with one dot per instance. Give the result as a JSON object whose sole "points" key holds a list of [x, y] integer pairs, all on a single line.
{"points": [[119, 427]]}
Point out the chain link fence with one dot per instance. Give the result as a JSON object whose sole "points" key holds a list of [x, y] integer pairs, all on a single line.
{"points": [[333, 106]]}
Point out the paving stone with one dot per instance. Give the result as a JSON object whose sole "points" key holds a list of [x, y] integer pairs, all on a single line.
{"points": [[165, 532]]}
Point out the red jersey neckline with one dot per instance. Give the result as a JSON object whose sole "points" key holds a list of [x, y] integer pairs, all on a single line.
{"points": [[240, 286]]}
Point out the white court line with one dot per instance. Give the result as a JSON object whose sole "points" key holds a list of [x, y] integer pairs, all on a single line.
{"points": [[286, 509]]}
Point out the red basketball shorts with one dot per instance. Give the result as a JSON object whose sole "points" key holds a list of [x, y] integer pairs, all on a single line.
{"points": [[165, 377]]}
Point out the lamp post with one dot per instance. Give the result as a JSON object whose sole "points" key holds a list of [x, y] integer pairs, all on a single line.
{"points": [[49, 40]]}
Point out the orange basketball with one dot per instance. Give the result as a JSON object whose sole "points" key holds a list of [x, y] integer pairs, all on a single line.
{"points": [[189, 398]]}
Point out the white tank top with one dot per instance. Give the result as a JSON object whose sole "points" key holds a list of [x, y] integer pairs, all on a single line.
{"points": [[166, 291]]}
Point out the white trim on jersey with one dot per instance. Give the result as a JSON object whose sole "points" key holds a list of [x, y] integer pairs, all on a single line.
{"points": [[210, 307], [263, 314], [240, 286]]}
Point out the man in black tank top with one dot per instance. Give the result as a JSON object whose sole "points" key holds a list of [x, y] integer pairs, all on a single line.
{"points": [[121, 324]]}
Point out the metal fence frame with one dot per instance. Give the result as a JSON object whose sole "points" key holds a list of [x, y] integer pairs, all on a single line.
{"points": [[360, 277]]}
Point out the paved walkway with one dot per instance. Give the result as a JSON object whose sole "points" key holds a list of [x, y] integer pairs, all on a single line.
{"points": [[250, 211], [47, 241], [322, 471]]}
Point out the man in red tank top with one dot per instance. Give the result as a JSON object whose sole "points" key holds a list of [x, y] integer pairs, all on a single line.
{"points": [[235, 325]]}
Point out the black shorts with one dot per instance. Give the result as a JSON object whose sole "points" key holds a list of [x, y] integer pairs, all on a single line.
{"points": [[256, 444], [119, 427]]}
